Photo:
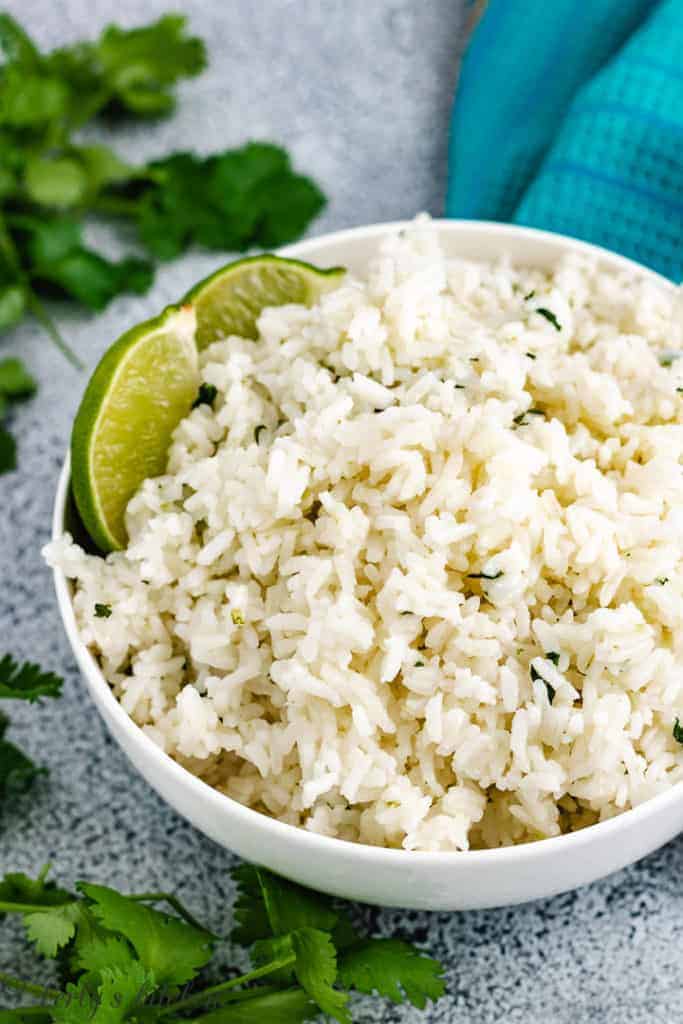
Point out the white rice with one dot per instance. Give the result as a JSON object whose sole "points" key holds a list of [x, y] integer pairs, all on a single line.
{"points": [[305, 622]]}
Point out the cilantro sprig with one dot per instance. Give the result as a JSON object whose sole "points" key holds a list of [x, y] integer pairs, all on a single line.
{"points": [[16, 385], [121, 958], [52, 178], [20, 682]]}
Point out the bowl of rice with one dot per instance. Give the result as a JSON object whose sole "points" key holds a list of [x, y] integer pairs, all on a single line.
{"points": [[402, 619]]}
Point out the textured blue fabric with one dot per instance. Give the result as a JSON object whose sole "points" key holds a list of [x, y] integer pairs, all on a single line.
{"points": [[569, 117]]}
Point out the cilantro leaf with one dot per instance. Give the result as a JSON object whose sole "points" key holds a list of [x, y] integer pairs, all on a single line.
{"points": [[250, 914], [290, 203], [53, 927], [394, 969], [27, 681], [678, 731], [139, 65], [102, 166], [8, 451], [15, 381], [31, 100], [169, 947], [60, 264], [277, 947], [290, 907], [16, 887], [15, 44], [84, 275], [15, 385], [12, 304], [95, 948], [316, 971], [242, 197], [55, 181], [289, 1006], [112, 997], [17, 771]]}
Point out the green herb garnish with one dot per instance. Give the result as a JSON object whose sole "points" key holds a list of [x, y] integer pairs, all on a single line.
{"points": [[550, 689], [550, 317], [552, 656], [678, 731], [530, 295], [26, 681], [16, 385], [661, 580], [519, 419], [20, 682], [124, 959], [485, 575], [17, 771], [205, 395], [530, 355], [258, 431], [52, 179], [102, 611]]}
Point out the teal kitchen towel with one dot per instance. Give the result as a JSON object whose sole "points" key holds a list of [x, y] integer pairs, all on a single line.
{"points": [[569, 117]]}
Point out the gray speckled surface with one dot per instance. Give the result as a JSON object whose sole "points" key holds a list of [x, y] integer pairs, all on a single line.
{"points": [[360, 92]]}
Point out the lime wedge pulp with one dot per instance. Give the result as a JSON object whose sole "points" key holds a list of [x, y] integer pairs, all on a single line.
{"points": [[144, 385], [231, 299]]}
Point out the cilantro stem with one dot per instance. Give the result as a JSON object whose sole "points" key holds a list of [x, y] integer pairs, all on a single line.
{"points": [[115, 206], [199, 998], [27, 986], [157, 897], [7, 907], [9, 250], [44, 318], [27, 1011]]}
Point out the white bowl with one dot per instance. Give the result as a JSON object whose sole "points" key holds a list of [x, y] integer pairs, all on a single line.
{"points": [[430, 881]]}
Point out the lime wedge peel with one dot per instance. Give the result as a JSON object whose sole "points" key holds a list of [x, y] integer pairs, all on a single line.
{"points": [[148, 380], [230, 300], [143, 387]]}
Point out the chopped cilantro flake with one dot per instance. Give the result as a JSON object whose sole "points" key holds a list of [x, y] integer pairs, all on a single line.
{"points": [[550, 317], [536, 675], [205, 395]]}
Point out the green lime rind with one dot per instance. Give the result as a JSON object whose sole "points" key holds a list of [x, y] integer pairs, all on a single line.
{"points": [[142, 388], [229, 301]]}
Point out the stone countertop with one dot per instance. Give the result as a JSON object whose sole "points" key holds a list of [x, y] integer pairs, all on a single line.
{"points": [[360, 93]]}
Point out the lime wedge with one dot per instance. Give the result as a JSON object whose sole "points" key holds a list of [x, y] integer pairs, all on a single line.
{"points": [[144, 385], [230, 300]]}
